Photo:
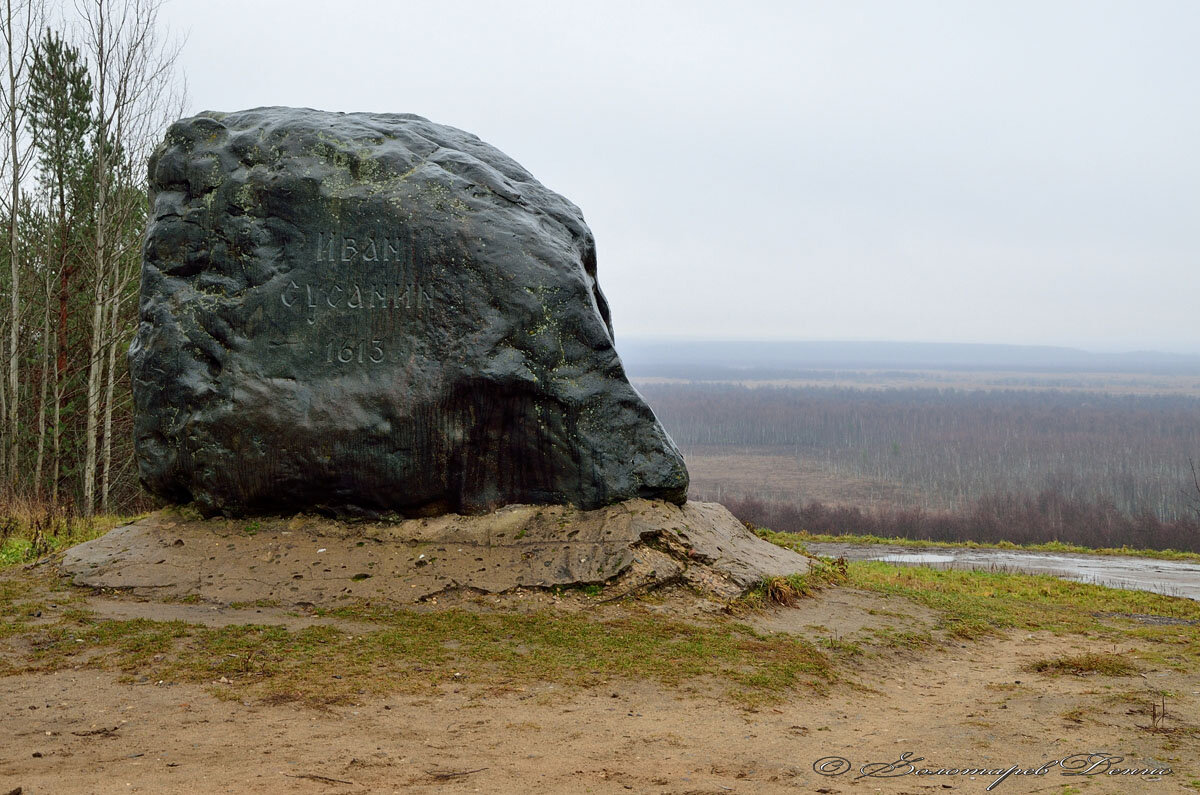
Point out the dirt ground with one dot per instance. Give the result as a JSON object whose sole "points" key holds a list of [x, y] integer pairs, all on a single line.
{"points": [[960, 705]]}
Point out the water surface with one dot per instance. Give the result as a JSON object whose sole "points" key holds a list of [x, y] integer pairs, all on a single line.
{"points": [[1175, 578]]}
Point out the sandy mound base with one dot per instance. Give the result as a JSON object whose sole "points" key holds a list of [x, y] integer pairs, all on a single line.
{"points": [[635, 546]]}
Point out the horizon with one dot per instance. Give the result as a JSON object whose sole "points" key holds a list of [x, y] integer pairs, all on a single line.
{"points": [[1112, 351]]}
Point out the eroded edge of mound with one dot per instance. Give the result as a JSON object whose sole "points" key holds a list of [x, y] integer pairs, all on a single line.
{"points": [[631, 547]]}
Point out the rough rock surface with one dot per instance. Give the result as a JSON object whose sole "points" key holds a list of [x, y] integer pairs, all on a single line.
{"points": [[631, 546], [373, 313]]}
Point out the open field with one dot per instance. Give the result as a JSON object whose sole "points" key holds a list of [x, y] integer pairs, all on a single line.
{"points": [[1100, 459], [719, 472], [945, 448], [1131, 384], [562, 691]]}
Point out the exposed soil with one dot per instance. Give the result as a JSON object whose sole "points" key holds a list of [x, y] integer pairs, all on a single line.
{"points": [[310, 560], [956, 705]]}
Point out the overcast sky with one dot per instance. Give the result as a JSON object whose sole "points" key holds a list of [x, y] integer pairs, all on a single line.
{"points": [[1017, 172]]}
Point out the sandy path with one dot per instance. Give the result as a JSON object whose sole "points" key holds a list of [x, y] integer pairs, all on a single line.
{"points": [[964, 705]]}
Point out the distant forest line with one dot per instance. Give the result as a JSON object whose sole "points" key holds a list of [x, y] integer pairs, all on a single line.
{"points": [[983, 465], [763, 360]]}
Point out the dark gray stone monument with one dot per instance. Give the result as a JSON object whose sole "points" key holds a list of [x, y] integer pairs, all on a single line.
{"points": [[372, 313]]}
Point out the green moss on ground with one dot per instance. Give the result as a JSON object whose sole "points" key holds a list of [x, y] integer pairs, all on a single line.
{"points": [[800, 540]]}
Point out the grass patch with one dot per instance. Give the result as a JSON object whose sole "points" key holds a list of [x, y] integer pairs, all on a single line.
{"points": [[793, 541], [976, 604], [23, 602], [410, 651], [798, 540], [26, 538], [901, 639], [1076, 715], [257, 603], [787, 590], [840, 646], [1083, 664]]}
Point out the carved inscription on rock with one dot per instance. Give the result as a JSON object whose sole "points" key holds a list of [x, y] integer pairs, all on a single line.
{"points": [[359, 297]]}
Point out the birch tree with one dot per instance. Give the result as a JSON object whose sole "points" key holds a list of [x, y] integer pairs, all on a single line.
{"points": [[135, 95], [18, 22]]}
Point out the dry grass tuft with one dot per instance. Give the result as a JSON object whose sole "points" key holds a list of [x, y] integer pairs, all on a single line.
{"points": [[1083, 664]]}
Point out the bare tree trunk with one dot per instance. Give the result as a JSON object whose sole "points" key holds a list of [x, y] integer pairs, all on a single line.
{"points": [[62, 341], [110, 382], [56, 433], [46, 357], [13, 122], [95, 363], [6, 474]]}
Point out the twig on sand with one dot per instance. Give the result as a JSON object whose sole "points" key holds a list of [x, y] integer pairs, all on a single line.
{"points": [[444, 776], [315, 777]]}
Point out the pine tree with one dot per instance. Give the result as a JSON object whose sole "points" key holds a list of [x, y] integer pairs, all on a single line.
{"points": [[60, 93]]}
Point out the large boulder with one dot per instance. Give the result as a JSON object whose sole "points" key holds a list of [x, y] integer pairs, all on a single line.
{"points": [[372, 313]]}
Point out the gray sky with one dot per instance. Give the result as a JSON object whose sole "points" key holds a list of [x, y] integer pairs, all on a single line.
{"points": [[1018, 172]]}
